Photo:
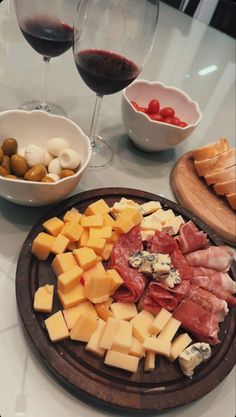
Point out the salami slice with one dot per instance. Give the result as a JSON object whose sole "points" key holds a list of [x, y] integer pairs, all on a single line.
{"points": [[168, 298], [190, 238], [161, 243], [149, 304], [179, 262]]}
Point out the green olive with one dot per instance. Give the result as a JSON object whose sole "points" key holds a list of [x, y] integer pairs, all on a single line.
{"points": [[3, 172], [36, 173], [1, 155], [19, 165], [47, 179], [6, 163], [66, 173], [9, 146]]}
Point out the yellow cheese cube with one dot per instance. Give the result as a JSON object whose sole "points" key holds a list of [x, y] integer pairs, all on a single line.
{"points": [[73, 297], [60, 244], [155, 225], [100, 232], [114, 236], [136, 348], [150, 207], [97, 244], [157, 345], [106, 253], [172, 225], [141, 325], [122, 340], [93, 344], [63, 262], [170, 329], [84, 238], [125, 311], [99, 207], [56, 327], [160, 321], [72, 314], [53, 226], [109, 333], [72, 231], [103, 309], [83, 328], [178, 345], [122, 361], [97, 289], [108, 220], [116, 280], [72, 216], [94, 272], [42, 245], [72, 246], [133, 214], [95, 220], [149, 361], [123, 225], [86, 257], [69, 279], [43, 298]]}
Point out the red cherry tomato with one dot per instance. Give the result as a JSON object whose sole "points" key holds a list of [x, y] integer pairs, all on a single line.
{"points": [[167, 112], [182, 124], [176, 121], [169, 120], [143, 109], [153, 107], [157, 117], [135, 105]]}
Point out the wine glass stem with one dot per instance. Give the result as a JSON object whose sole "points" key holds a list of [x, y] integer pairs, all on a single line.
{"points": [[94, 123], [46, 60]]}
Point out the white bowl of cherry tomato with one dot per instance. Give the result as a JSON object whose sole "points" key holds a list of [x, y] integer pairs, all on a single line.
{"points": [[157, 116]]}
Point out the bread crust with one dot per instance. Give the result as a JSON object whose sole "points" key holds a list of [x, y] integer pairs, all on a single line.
{"points": [[218, 163], [227, 187], [211, 150], [221, 176], [231, 198]]}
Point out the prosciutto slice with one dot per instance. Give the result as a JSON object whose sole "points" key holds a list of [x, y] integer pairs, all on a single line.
{"points": [[161, 243], [208, 301], [190, 238], [168, 298], [217, 290], [200, 322], [216, 257], [219, 278]]}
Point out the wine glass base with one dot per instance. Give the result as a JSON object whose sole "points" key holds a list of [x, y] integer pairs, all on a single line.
{"points": [[38, 105], [101, 153]]}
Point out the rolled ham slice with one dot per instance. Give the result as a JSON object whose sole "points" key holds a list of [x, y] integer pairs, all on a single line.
{"points": [[217, 290], [208, 301], [200, 322], [219, 278], [216, 257], [190, 238]]}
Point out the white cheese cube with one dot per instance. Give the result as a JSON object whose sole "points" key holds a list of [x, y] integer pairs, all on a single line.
{"points": [[141, 325], [93, 344], [172, 225], [160, 321], [178, 345], [136, 348], [149, 361], [122, 361], [109, 333], [150, 225], [125, 311], [164, 215], [122, 340], [157, 345], [150, 207]]}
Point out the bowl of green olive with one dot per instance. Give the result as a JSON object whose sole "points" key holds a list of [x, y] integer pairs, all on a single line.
{"points": [[42, 157]]}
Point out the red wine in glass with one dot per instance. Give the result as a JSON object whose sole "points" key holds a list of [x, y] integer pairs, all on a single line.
{"points": [[105, 72]]}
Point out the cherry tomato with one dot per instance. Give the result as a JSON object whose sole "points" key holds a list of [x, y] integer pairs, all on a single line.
{"points": [[182, 124], [176, 121], [167, 112], [169, 120], [153, 107], [143, 109], [135, 105], [157, 117]]}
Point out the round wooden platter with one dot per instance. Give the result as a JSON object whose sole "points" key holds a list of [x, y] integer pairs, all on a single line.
{"points": [[193, 193], [84, 374]]}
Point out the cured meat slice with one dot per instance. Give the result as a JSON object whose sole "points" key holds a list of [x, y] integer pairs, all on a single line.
{"points": [[149, 304], [200, 322], [219, 278], [161, 243], [125, 245], [179, 262], [168, 298], [208, 301], [190, 238], [217, 290], [133, 286], [216, 257]]}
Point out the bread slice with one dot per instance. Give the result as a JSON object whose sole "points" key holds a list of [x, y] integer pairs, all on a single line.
{"points": [[231, 200], [227, 187], [221, 176], [211, 150], [219, 162]]}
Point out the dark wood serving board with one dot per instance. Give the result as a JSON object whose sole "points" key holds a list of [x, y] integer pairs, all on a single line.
{"points": [[85, 375], [193, 193]]}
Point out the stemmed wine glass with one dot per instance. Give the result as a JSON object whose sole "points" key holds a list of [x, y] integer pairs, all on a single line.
{"points": [[47, 25], [112, 39]]}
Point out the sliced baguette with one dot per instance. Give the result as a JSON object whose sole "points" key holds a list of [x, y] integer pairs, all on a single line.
{"points": [[211, 150], [231, 200], [219, 162], [227, 187], [221, 176]]}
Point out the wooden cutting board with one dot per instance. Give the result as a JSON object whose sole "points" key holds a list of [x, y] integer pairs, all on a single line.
{"points": [[193, 193]]}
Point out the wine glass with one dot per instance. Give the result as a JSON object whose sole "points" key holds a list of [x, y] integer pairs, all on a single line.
{"points": [[112, 39], [48, 28]]}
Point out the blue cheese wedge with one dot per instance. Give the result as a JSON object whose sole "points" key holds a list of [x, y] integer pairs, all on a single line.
{"points": [[193, 356], [172, 279], [162, 266]]}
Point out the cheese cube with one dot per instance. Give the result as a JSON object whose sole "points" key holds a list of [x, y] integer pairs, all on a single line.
{"points": [[72, 231], [84, 238], [115, 236], [72, 314], [141, 325], [72, 246], [86, 257], [122, 361], [123, 225], [72, 216], [100, 232], [146, 233], [157, 345], [170, 329], [133, 214], [109, 333], [83, 328], [103, 309], [136, 348], [149, 361], [56, 327], [106, 253], [178, 345], [69, 279], [122, 340], [116, 280], [73, 297], [160, 321], [53, 226], [63, 262], [97, 244], [99, 207], [96, 271], [125, 311], [60, 244], [97, 289], [95, 220], [93, 344], [42, 245], [43, 298], [108, 220], [164, 215], [172, 225], [150, 225], [150, 207]]}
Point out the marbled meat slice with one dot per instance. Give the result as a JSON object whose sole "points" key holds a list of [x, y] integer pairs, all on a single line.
{"points": [[219, 278], [161, 242], [205, 283], [216, 257], [191, 238], [208, 301]]}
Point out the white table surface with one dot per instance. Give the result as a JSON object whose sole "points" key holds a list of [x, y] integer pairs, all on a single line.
{"points": [[182, 48]]}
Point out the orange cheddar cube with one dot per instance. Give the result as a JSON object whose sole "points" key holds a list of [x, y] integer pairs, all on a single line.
{"points": [[69, 279], [116, 280], [83, 328], [60, 244], [97, 289], [104, 232], [56, 327], [63, 262], [95, 220], [53, 226], [108, 220], [72, 231], [99, 207], [43, 298], [123, 224], [96, 271], [84, 238], [73, 297], [72, 216], [42, 245], [72, 246], [103, 309], [86, 257], [97, 244], [107, 251], [133, 214], [72, 314]]}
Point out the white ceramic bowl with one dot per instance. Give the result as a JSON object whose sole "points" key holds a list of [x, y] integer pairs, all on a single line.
{"points": [[147, 134], [37, 127]]}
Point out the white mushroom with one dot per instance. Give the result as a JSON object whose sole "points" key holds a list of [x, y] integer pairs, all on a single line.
{"points": [[55, 177], [48, 157], [54, 166], [56, 145], [34, 155], [21, 151], [69, 158]]}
